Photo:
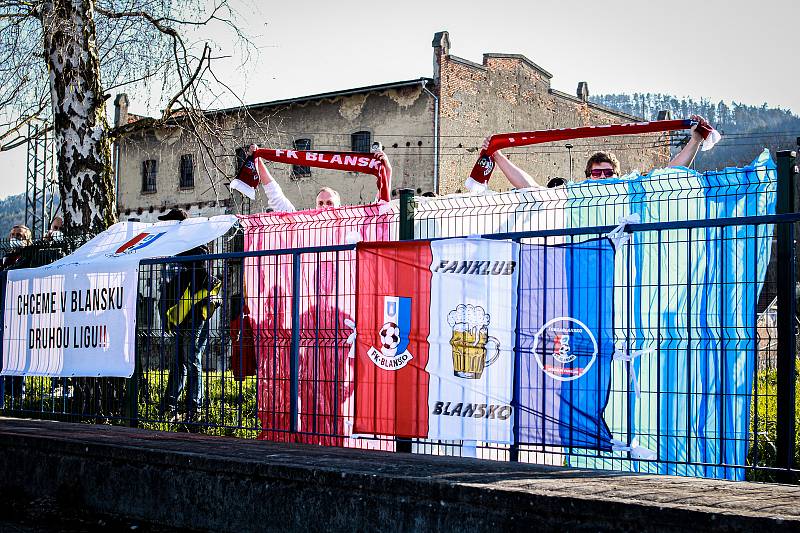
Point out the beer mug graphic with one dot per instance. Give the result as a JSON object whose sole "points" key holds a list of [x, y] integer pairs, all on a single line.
{"points": [[473, 348]]}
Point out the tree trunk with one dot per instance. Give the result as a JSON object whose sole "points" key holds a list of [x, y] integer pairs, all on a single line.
{"points": [[79, 114]]}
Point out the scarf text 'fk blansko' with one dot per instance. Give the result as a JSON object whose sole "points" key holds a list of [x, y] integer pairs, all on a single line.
{"points": [[366, 163]]}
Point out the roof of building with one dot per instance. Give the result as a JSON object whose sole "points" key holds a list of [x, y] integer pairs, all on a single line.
{"points": [[333, 94], [519, 57]]}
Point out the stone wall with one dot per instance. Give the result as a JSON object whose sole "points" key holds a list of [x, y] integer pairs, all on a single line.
{"points": [[508, 92], [179, 480]]}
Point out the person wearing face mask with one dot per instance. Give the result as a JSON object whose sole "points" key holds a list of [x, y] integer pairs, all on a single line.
{"points": [[18, 239], [55, 233], [16, 257], [601, 165]]}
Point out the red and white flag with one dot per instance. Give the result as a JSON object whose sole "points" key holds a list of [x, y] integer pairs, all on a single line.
{"points": [[366, 163], [435, 339], [482, 170]]}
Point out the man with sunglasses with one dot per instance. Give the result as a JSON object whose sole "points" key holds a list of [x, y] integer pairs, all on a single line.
{"points": [[601, 165]]}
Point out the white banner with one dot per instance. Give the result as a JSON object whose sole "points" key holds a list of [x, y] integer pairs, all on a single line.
{"points": [[472, 337], [140, 240], [77, 316]]}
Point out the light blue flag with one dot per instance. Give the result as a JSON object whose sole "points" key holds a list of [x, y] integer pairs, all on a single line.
{"points": [[686, 312]]}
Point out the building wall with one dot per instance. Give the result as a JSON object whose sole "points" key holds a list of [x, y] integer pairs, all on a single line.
{"points": [[400, 118], [507, 93]]}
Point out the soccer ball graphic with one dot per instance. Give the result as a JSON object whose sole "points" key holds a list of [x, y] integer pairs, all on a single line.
{"points": [[390, 338]]}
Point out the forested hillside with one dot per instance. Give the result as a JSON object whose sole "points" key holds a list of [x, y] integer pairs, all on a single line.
{"points": [[746, 129], [12, 211]]}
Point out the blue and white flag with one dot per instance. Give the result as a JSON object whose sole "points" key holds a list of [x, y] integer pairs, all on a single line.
{"points": [[566, 343]]}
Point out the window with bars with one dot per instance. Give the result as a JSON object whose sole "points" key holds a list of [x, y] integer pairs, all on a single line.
{"points": [[187, 172], [361, 141], [299, 171], [149, 168]]}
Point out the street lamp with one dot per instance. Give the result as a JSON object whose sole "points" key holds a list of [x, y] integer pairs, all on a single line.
{"points": [[568, 146]]}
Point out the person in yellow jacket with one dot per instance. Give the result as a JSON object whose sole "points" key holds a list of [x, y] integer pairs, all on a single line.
{"points": [[186, 304]]}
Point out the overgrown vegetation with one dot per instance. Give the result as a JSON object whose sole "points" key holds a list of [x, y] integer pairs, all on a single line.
{"points": [[746, 129], [764, 416]]}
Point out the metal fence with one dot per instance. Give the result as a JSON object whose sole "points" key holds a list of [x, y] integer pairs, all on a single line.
{"points": [[288, 376]]}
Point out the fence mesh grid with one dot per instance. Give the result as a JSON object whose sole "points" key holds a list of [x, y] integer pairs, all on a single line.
{"points": [[243, 387]]}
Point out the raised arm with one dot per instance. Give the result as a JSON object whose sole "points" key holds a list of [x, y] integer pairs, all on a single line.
{"points": [[275, 197], [518, 177], [689, 152]]}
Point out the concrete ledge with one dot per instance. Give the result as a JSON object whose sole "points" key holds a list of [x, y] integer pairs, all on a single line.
{"points": [[224, 484]]}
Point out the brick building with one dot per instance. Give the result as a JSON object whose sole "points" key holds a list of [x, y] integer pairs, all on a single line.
{"points": [[431, 129]]}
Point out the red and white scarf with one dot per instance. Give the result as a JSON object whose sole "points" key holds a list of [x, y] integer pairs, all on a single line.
{"points": [[247, 180], [482, 170]]}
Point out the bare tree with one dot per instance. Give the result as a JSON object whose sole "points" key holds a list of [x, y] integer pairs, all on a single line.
{"points": [[60, 60]]}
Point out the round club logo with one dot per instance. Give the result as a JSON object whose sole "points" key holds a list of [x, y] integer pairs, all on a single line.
{"points": [[487, 164], [565, 348]]}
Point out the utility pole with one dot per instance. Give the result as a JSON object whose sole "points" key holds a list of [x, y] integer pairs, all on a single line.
{"points": [[40, 184]]}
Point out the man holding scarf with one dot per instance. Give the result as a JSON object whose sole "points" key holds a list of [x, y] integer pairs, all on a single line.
{"points": [[277, 200], [600, 164]]}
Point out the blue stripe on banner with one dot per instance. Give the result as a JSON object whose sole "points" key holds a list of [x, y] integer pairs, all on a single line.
{"points": [[566, 343], [691, 298], [404, 323]]}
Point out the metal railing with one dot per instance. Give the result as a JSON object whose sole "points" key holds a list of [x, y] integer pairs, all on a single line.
{"points": [[282, 372]]}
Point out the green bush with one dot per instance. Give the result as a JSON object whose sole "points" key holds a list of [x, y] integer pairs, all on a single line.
{"points": [[763, 424]]}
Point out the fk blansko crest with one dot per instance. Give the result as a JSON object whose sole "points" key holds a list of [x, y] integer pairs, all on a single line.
{"points": [[137, 243], [393, 353]]}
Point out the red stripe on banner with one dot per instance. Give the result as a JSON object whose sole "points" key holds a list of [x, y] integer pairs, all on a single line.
{"points": [[392, 402], [485, 164], [132, 242]]}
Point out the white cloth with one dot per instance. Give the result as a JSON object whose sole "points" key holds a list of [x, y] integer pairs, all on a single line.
{"points": [[709, 142], [618, 235], [77, 316]]}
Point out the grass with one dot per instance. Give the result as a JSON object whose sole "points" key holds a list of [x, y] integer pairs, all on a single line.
{"points": [[230, 409]]}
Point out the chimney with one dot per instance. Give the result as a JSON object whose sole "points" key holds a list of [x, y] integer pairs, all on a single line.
{"points": [[441, 48], [120, 110], [583, 91]]}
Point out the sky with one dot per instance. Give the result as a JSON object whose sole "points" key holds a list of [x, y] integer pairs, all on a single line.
{"points": [[732, 50]]}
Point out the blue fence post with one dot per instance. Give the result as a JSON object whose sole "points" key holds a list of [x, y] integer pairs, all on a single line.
{"points": [[787, 310], [294, 354], [405, 233], [132, 385]]}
